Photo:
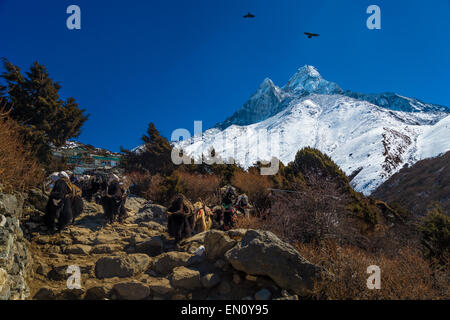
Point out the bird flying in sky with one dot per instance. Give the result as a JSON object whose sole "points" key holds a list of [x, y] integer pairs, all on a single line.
{"points": [[249, 15], [310, 35]]}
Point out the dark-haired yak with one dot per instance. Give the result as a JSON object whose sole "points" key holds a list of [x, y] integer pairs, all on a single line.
{"points": [[63, 206]]}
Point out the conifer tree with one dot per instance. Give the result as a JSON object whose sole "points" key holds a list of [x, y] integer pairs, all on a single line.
{"points": [[34, 102], [155, 156]]}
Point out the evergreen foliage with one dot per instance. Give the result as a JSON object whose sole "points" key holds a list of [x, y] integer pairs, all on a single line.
{"points": [[155, 156], [34, 103]]}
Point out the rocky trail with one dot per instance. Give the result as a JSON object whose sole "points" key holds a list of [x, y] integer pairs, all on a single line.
{"points": [[136, 259]]}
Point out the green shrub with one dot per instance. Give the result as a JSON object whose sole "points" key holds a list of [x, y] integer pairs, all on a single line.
{"points": [[435, 229]]}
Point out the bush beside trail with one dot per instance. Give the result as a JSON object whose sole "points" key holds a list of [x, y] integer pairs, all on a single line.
{"points": [[18, 168]]}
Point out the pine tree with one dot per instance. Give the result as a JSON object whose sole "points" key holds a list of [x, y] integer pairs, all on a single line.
{"points": [[35, 104], [155, 156]]}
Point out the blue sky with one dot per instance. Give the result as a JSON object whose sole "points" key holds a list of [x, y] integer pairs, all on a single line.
{"points": [[173, 62]]}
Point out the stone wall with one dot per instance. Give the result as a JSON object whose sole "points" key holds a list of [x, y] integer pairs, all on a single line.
{"points": [[15, 260]]}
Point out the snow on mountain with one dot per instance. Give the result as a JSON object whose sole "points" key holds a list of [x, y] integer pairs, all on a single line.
{"points": [[435, 140], [265, 103], [397, 102], [371, 135], [308, 80]]}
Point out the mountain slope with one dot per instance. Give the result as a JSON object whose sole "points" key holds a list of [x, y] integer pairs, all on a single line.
{"points": [[368, 141], [416, 187]]}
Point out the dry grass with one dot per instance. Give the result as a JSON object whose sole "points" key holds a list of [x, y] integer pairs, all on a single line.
{"points": [[18, 168], [320, 228], [199, 187], [405, 276], [147, 186], [256, 186], [162, 189]]}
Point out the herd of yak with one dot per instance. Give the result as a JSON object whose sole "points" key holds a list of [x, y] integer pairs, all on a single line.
{"points": [[65, 201], [65, 204]]}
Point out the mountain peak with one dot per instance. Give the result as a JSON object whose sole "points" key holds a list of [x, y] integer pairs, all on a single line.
{"points": [[266, 86], [266, 83], [309, 80], [309, 71]]}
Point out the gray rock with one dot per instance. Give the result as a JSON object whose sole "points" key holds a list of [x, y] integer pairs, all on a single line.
{"points": [[81, 249], [70, 294], [217, 243], [122, 267], [152, 226], [58, 273], [164, 263], [193, 243], [107, 238], [43, 269], [236, 234], [45, 294], [6, 245], [11, 205], [131, 290], [81, 235], [2, 221], [106, 248], [3, 277], [185, 278], [152, 212], [5, 292], [152, 247], [96, 293], [262, 253], [134, 204], [161, 286], [37, 199]]}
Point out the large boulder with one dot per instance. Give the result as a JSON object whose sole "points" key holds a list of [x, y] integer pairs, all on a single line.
{"points": [[186, 278], [11, 205], [152, 212], [217, 243], [122, 267], [263, 253], [37, 199], [134, 204]]}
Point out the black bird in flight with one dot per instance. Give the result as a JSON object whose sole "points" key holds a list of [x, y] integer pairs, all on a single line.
{"points": [[310, 35], [249, 15]]}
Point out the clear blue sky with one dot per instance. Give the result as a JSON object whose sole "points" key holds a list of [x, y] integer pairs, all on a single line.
{"points": [[173, 62]]}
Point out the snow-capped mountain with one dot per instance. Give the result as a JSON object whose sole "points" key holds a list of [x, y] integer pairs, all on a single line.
{"points": [[371, 136]]}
